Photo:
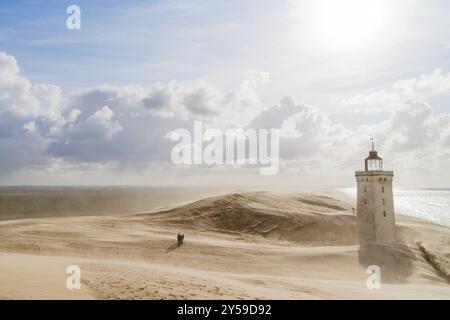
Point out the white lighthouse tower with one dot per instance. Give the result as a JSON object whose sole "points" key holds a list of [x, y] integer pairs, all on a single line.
{"points": [[375, 208]]}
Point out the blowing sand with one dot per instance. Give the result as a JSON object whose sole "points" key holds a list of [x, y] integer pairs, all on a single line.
{"points": [[256, 245]]}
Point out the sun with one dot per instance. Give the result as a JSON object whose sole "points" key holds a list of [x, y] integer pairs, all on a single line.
{"points": [[345, 25]]}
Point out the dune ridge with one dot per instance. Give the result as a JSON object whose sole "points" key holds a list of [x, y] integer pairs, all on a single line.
{"points": [[249, 245], [300, 218]]}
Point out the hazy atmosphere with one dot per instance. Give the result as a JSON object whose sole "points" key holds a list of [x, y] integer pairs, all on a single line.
{"points": [[204, 151], [97, 105]]}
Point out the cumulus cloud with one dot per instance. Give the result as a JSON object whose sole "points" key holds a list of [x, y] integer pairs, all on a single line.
{"points": [[16, 96], [401, 94], [309, 132], [121, 127], [183, 100], [98, 126], [23, 107], [124, 125], [274, 116], [129, 124], [202, 101]]}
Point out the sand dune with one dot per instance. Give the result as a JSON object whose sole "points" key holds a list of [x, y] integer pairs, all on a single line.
{"points": [[276, 216], [257, 245], [38, 202]]}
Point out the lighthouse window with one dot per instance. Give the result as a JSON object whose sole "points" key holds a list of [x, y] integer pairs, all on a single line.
{"points": [[365, 201], [382, 189], [384, 202], [365, 189], [384, 214]]}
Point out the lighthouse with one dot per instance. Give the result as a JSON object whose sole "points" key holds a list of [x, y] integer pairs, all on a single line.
{"points": [[375, 207]]}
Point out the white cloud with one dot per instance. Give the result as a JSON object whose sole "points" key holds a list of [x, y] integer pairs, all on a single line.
{"points": [[202, 101], [23, 109], [412, 126], [98, 126], [274, 116], [16, 97], [401, 94], [30, 126], [73, 115], [49, 99], [128, 127]]}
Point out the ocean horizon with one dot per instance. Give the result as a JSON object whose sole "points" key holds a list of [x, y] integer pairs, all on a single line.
{"points": [[21, 202], [429, 204]]}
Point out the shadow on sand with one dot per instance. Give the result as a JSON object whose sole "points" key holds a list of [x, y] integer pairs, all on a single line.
{"points": [[395, 260], [172, 247]]}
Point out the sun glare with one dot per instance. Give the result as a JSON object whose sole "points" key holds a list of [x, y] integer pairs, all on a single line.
{"points": [[346, 25]]}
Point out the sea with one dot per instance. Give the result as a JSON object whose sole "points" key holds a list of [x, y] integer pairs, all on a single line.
{"points": [[427, 204], [37, 202]]}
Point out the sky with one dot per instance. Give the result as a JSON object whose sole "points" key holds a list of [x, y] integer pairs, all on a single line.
{"points": [[97, 105]]}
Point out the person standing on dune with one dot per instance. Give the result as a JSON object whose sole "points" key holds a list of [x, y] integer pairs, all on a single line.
{"points": [[180, 238]]}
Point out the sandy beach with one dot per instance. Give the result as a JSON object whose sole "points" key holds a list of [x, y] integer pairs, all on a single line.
{"points": [[253, 245]]}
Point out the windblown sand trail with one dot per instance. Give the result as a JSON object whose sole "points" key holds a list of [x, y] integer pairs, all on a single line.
{"points": [[255, 245]]}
